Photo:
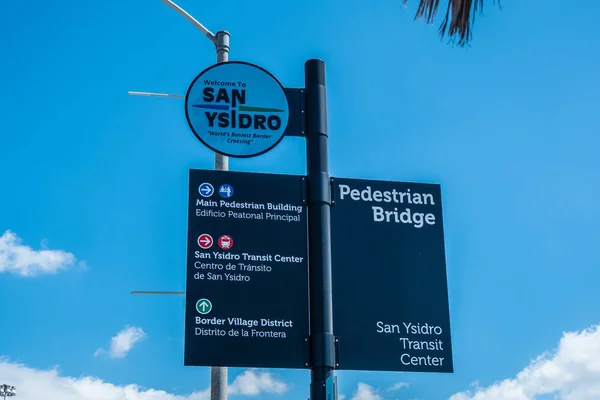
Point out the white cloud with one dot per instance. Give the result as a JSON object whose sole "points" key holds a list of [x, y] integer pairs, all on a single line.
{"points": [[398, 386], [571, 372], [33, 384], [366, 392], [252, 382], [22, 260], [123, 342]]}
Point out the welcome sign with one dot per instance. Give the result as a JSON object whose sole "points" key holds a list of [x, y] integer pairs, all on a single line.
{"points": [[237, 109]]}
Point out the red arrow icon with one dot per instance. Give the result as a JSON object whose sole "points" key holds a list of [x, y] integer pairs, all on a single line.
{"points": [[205, 241]]}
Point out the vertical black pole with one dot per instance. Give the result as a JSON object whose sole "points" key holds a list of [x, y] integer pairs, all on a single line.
{"points": [[322, 348]]}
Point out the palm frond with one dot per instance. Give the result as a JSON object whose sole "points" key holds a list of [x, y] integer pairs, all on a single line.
{"points": [[459, 18]]}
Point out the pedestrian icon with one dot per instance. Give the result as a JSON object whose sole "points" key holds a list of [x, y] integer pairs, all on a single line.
{"points": [[203, 306], [225, 242], [206, 190], [205, 241], [226, 190]]}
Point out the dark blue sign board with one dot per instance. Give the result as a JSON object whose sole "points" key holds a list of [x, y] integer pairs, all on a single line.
{"points": [[390, 295], [247, 271]]}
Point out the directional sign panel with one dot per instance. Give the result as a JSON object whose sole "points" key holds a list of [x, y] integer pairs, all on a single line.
{"points": [[390, 296], [247, 271]]}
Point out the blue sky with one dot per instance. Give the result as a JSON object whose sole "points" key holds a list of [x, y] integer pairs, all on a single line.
{"points": [[508, 127]]}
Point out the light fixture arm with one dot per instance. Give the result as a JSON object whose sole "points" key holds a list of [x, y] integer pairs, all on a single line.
{"points": [[195, 22]]}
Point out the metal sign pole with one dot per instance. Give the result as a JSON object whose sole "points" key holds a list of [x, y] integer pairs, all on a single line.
{"points": [[221, 161], [322, 341], [218, 375]]}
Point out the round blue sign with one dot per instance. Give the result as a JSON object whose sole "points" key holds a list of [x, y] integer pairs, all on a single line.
{"points": [[206, 189], [226, 190], [237, 109]]}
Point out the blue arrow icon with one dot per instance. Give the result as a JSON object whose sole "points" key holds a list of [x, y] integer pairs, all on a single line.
{"points": [[206, 190]]}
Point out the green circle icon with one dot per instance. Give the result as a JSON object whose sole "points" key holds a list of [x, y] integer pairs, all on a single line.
{"points": [[203, 306]]}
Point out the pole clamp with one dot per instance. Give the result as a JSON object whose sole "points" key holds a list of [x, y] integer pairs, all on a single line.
{"points": [[319, 188], [322, 350]]}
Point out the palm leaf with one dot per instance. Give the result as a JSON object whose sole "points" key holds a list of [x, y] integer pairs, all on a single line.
{"points": [[460, 16]]}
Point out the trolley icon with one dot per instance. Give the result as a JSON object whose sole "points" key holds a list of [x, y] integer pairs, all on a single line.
{"points": [[225, 242]]}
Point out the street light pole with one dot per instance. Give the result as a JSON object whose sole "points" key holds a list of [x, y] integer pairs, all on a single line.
{"points": [[221, 161], [218, 375], [221, 41]]}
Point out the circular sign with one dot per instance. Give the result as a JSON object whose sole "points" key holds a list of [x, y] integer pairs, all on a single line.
{"points": [[225, 242], [226, 190], [206, 189], [205, 241], [237, 109], [203, 306]]}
